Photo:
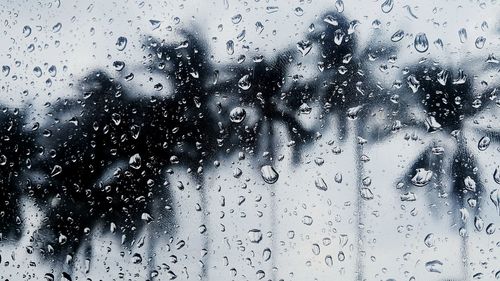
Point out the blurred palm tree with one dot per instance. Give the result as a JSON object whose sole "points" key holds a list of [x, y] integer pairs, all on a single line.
{"points": [[349, 90], [100, 166], [16, 147], [448, 165]]}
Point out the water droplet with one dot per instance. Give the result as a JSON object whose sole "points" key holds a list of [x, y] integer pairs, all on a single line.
{"points": [[470, 184], [338, 178], [366, 193], [118, 65], [398, 35], [155, 24], [56, 170], [26, 31], [483, 143], [329, 260], [49, 277], [305, 109], [137, 258], [478, 223], [490, 229], [230, 47], [495, 198], [339, 5], [244, 83], [307, 220], [462, 34], [237, 115], [338, 36], [422, 177], [121, 43], [53, 71], [480, 42], [299, 11], [135, 161], [304, 47], [421, 43], [316, 249], [320, 184], [429, 240], [269, 175], [272, 9], [496, 175], [255, 235], [387, 6], [341, 256], [37, 71], [5, 70], [266, 254], [57, 27], [434, 266], [259, 27], [236, 18]]}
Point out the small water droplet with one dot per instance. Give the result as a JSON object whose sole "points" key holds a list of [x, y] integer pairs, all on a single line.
{"points": [[56, 170], [366, 193], [255, 235], [429, 240], [244, 82], [480, 42], [236, 18], [483, 143], [470, 184], [387, 6], [230, 47], [136, 258], [155, 24], [339, 5], [121, 43], [462, 34], [135, 161], [57, 27], [320, 184], [37, 71], [398, 35], [304, 47], [422, 177], [434, 266], [26, 30]]}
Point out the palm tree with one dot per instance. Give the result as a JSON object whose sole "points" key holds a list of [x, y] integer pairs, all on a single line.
{"points": [[350, 91], [16, 147], [98, 167], [449, 100]]}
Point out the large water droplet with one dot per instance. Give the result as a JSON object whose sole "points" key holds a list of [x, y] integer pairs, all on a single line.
{"points": [[422, 177], [496, 175], [57, 27], [237, 115], [366, 193], [37, 71], [269, 175], [429, 240], [421, 43]]}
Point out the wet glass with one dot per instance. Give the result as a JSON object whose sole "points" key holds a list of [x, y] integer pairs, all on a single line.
{"points": [[249, 140]]}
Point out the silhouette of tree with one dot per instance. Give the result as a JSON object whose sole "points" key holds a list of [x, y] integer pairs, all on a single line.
{"points": [[449, 100], [16, 147], [349, 90], [101, 165]]}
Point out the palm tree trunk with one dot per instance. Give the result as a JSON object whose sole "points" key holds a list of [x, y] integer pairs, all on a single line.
{"points": [[359, 201], [462, 149]]}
